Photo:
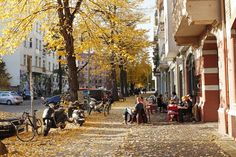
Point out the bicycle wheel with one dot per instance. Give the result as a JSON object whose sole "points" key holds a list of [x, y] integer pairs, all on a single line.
{"points": [[25, 131], [39, 128]]}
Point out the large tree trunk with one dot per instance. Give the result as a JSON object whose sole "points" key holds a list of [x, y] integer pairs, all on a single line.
{"points": [[122, 80], [72, 69], [113, 78], [66, 19], [126, 84], [114, 84], [3, 149]]}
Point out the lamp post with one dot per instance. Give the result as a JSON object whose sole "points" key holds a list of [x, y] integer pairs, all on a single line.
{"points": [[29, 69]]}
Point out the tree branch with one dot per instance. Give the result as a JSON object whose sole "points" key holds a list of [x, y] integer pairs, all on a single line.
{"points": [[77, 8], [61, 15]]}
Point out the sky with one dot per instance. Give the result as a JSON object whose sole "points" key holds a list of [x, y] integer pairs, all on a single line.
{"points": [[148, 8]]}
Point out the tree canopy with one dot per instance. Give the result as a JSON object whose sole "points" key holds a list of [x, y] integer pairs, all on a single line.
{"points": [[71, 27]]}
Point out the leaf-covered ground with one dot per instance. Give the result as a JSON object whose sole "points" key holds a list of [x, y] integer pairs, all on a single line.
{"points": [[108, 136]]}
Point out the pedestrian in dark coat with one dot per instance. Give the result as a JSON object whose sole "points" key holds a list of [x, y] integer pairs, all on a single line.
{"points": [[139, 111]]}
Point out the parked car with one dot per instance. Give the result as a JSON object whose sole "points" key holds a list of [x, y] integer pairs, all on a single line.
{"points": [[97, 94], [26, 95], [10, 97], [55, 99], [6, 127]]}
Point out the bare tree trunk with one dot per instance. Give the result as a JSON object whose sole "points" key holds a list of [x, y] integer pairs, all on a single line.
{"points": [[3, 149]]}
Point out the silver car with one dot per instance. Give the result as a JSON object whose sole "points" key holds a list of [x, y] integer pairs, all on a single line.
{"points": [[10, 98]]}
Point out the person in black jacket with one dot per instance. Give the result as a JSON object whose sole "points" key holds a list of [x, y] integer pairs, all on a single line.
{"points": [[139, 111]]}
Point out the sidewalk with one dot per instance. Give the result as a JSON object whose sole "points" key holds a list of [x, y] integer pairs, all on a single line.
{"points": [[108, 137]]}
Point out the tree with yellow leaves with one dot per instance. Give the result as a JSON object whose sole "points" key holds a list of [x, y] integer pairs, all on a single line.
{"points": [[71, 27], [139, 72], [121, 40]]}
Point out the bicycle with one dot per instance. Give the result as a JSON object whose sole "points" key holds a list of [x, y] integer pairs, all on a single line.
{"points": [[27, 129]]}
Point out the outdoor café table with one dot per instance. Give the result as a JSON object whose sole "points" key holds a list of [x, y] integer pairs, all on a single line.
{"points": [[149, 108]]}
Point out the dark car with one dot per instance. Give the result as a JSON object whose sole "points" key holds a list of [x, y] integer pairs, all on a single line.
{"points": [[97, 94], [27, 96], [55, 99], [7, 128]]}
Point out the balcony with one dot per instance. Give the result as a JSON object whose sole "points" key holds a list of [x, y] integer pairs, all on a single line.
{"points": [[163, 65], [36, 69], [192, 18]]}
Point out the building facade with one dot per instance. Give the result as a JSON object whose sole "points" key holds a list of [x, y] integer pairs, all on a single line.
{"points": [[91, 76], [43, 64], [204, 63]]}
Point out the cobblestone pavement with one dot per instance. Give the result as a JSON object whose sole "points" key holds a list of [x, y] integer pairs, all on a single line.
{"points": [[108, 136]]}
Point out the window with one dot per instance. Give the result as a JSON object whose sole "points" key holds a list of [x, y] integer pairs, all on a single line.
{"points": [[40, 28], [5, 94], [40, 45], [25, 43], [30, 43], [36, 26], [36, 61], [40, 62], [37, 46], [24, 59], [43, 63], [49, 66]]}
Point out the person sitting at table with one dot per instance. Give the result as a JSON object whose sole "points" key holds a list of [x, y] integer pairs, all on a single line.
{"points": [[185, 108], [161, 104], [174, 98], [138, 115]]}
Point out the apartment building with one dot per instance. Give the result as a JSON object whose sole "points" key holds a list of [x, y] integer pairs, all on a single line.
{"points": [[43, 65], [91, 76], [204, 62], [166, 70]]}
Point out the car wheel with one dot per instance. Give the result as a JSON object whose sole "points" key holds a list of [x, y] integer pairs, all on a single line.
{"points": [[9, 102]]}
